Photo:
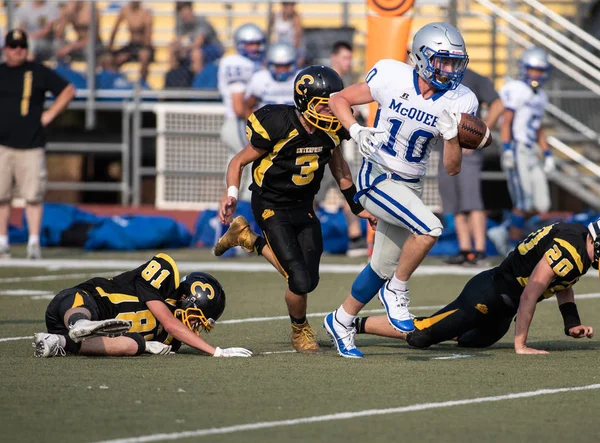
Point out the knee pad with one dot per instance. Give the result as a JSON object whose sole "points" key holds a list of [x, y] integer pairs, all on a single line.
{"points": [[301, 282], [420, 339], [366, 285]]}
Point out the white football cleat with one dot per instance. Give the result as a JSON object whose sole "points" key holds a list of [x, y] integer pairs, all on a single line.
{"points": [[84, 329], [396, 307], [47, 345], [157, 348], [34, 251], [498, 235]]}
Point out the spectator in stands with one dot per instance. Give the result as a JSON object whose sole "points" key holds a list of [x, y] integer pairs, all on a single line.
{"points": [[108, 76], [461, 194], [285, 26], [139, 48], [79, 15], [38, 19], [23, 87], [340, 60], [196, 43]]}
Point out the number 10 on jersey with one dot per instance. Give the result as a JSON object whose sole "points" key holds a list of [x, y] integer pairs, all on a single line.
{"points": [[417, 145]]}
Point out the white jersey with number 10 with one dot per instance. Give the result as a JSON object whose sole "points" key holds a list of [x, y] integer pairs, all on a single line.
{"points": [[407, 118]]}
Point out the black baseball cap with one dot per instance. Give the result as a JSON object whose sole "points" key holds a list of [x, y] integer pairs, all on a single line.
{"points": [[16, 38]]}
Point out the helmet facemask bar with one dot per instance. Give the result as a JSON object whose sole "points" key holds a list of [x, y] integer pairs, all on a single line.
{"points": [[437, 72], [594, 230], [195, 320], [328, 123], [534, 82]]}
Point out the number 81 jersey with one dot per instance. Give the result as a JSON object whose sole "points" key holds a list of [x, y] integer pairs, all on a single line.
{"points": [[125, 296], [407, 118]]}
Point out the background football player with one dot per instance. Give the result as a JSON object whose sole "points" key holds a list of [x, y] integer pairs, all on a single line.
{"points": [[416, 105], [147, 309], [548, 262], [525, 103], [289, 149], [235, 72], [275, 84]]}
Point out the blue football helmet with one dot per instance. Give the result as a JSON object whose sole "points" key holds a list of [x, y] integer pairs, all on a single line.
{"points": [[248, 34], [201, 302], [534, 58], [439, 55], [281, 54]]}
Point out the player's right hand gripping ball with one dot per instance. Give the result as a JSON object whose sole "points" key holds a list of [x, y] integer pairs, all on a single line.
{"points": [[473, 133]]}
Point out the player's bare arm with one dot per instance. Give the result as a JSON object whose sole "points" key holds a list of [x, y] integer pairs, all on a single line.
{"points": [[343, 176], [342, 102], [234, 176], [251, 102], [239, 105], [61, 102], [539, 280], [495, 110], [568, 309]]}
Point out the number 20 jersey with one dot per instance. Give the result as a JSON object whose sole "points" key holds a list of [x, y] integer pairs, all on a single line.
{"points": [[562, 245], [408, 120]]}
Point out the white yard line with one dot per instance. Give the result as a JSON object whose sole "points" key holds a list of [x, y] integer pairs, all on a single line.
{"points": [[29, 337], [347, 415], [53, 277]]}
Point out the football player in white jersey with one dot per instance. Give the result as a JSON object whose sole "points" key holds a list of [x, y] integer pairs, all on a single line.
{"points": [[525, 103], [234, 74], [416, 105], [275, 84]]}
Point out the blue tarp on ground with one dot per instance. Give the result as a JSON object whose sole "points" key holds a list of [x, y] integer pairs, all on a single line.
{"points": [[129, 232]]}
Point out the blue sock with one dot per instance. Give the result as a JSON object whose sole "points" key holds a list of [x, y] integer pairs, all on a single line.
{"points": [[518, 221], [366, 284]]}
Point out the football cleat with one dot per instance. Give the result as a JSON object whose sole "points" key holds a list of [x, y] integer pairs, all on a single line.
{"points": [[342, 337], [396, 307], [84, 329], [47, 345], [34, 251], [238, 234], [157, 348], [303, 339]]}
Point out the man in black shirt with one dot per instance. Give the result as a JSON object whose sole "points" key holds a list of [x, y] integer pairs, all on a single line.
{"points": [[548, 262], [23, 87], [148, 309], [289, 149]]}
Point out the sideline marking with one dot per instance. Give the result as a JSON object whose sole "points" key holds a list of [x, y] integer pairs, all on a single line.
{"points": [[346, 415], [453, 357]]}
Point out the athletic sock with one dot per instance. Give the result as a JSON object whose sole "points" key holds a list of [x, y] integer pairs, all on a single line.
{"points": [[343, 317], [3, 241], [34, 240], [398, 285]]}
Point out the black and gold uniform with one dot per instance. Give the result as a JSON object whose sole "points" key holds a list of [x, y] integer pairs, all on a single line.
{"points": [[482, 313], [284, 182], [123, 297]]}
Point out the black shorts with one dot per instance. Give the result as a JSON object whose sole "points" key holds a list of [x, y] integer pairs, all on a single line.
{"points": [[478, 318], [294, 235], [62, 302], [133, 49]]}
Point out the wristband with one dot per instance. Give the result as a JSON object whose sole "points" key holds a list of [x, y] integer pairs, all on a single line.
{"points": [[233, 191], [506, 146], [570, 315], [349, 194]]}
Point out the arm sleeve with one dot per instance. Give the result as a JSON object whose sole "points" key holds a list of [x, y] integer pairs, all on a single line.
{"points": [[52, 81], [376, 79], [510, 97], [158, 279], [262, 128]]}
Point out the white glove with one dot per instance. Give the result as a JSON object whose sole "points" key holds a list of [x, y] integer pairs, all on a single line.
{"points": [[447, 124], [157, 348], [549, 164], [507, 159], [365, 138], [232, 352]]}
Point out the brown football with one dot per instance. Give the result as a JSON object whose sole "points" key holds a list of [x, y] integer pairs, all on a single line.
{"points": [[473, 133]]}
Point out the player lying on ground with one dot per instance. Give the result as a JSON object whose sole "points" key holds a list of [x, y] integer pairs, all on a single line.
{"points": [[289, 148], [548, 262], [147, 309]]}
